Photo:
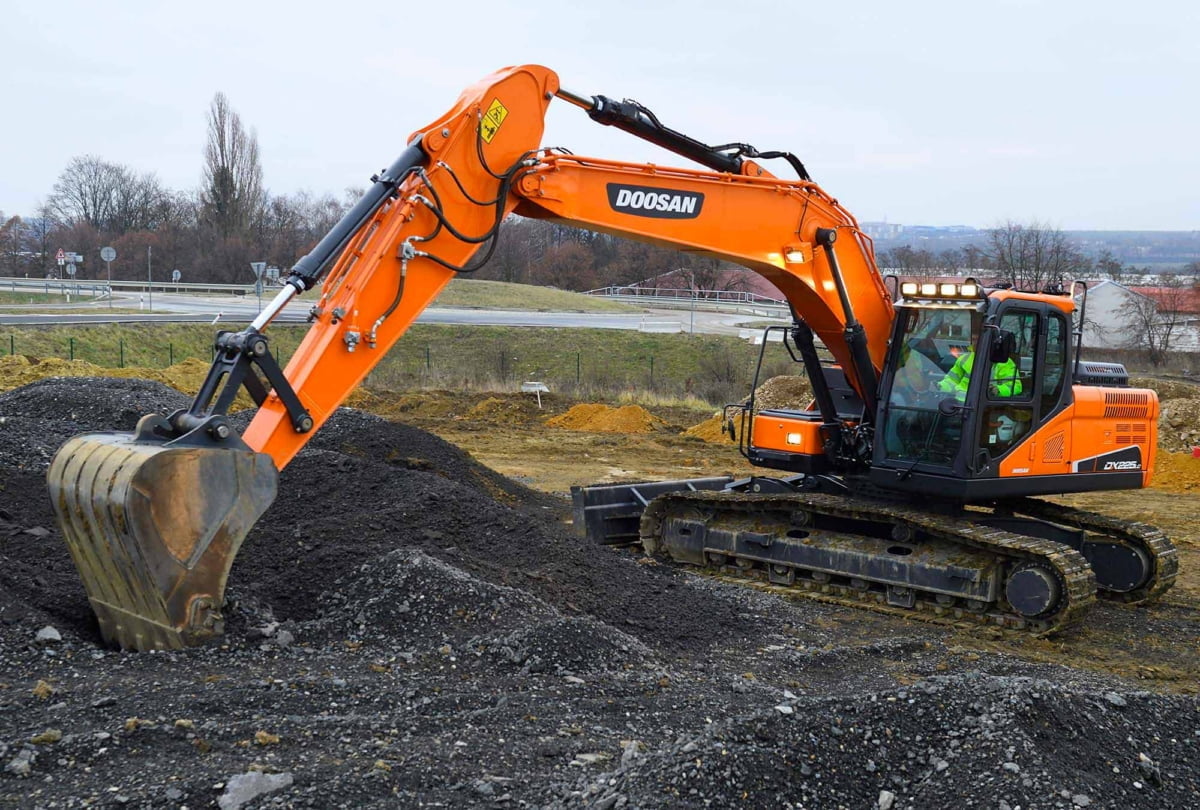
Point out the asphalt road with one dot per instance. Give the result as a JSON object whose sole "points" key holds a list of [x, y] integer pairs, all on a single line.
{"points": [[172, 308]]}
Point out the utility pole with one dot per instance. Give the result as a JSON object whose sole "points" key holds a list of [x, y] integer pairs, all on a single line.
{"points": [[149, 277]]}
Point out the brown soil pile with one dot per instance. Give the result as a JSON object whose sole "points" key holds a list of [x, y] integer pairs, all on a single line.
{"points": [[1177, 472], [710, 430], [597, 418], [508, 410], [421, 405], [783, 392], [1167, 389]]}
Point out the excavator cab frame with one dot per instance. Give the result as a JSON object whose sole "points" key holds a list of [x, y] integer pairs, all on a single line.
{"points": [[997, 442]]}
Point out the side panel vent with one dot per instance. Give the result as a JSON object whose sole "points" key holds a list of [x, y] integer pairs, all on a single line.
{"points": [[1122, 405], [1128, 434], [1053, 449]]}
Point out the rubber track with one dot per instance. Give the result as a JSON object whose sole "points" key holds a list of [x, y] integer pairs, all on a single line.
{"points": [[1150, 539], [1074, 573]]}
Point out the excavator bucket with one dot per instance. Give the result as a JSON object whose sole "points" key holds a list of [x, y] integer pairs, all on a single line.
{"points": [[154, 525]]}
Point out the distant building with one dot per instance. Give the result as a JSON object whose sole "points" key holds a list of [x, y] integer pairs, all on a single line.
{"points": [[1109, 304]]}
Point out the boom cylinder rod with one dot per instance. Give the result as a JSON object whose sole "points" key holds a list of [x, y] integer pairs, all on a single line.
{"points": [[274, 308], [307, 272], [631, 117]]}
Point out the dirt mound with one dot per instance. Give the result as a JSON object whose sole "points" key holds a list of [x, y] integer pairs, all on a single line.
{"points": [[597, 418], [1179, 425], [408, 600], [421, 405], [965, 741], [186, 375], [407, 627], [509, 410], [783, 392], [710, 430], [1167, 389], [1178, 472], [37, 419]]}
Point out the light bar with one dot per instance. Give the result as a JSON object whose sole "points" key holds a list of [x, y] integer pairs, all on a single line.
{"points": [[932, 289]]}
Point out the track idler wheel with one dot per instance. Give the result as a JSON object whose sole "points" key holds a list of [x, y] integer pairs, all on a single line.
{"points": [[1033, 590], [153, 525]]}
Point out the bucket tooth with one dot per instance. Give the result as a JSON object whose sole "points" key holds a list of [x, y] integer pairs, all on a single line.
{"points": [[153, 528]]}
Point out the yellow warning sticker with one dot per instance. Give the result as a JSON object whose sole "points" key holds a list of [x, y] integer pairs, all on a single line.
{"points": [[492, 119]]}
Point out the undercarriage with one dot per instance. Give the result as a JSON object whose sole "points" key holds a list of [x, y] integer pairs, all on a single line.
{"points": [[1024, 565]]}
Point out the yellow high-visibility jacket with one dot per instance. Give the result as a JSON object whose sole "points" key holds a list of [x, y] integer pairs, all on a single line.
{"points": [[1004, 377]]}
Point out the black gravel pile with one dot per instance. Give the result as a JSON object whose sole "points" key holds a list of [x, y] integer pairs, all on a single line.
{"points": [[963, 741], [36, 419], [407, 628]]}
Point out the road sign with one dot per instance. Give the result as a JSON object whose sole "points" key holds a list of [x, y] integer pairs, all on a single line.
{"points": [[71, 269], [107, 254], [258, 268], [61, 256], [176, 275]]}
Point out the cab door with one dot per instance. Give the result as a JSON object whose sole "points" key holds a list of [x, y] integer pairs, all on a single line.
{"points": [[1008, 412]]}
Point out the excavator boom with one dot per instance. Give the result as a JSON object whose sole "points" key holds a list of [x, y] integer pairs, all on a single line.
{"points": [[154, 519]]}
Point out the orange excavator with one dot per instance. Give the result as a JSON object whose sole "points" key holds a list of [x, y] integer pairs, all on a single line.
{"points": [[905, 485]]}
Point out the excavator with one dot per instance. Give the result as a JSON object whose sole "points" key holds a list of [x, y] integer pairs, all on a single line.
{"points": [[889, 490]]}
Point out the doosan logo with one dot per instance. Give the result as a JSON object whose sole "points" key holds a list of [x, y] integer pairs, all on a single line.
{"points": [[661, 203]]}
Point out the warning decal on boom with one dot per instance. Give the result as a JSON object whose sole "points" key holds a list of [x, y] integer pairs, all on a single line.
{"points": [[492, 120]]}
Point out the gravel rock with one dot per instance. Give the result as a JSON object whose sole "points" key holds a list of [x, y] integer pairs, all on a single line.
{"points": [[245, 787], [48, 635]]}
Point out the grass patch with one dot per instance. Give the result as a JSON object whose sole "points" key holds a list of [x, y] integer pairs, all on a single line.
{"points": [[474, 294], [17, 298], [600, 364]]}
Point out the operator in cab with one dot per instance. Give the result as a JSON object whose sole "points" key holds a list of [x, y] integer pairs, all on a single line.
{"points": [[1005, 382]]}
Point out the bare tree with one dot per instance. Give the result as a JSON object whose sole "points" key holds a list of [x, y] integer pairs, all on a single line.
{"points": [[567, 266], [1110, 266], [706, 274], [1154, 317], [11, 238], [106, 196], [232, 196], [1034, 256]]}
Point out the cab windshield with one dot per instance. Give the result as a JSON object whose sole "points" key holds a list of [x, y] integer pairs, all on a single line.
{"points": [[933, 341]]}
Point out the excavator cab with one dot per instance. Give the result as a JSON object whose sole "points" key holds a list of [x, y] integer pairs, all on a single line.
{"points": [[977, 401]]}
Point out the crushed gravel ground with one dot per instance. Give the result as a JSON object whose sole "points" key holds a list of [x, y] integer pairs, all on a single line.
{"points": [[409, 629]]}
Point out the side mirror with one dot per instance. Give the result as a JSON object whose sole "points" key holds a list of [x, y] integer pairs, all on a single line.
{"points": [[1004, 346]]}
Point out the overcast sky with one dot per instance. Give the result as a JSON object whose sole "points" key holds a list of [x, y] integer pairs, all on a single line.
{"points": [[1078, 114]]}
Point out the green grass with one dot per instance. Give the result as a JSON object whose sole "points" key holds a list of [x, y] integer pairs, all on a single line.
{"points": [[595, 363], [16, 298], [473, 294]]}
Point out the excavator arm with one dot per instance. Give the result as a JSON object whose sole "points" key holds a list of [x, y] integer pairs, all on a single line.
{"points": [[154, 519]]}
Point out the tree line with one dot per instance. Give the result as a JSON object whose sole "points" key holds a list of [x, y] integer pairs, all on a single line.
{"points": [[209, 233], [212, 232]]}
